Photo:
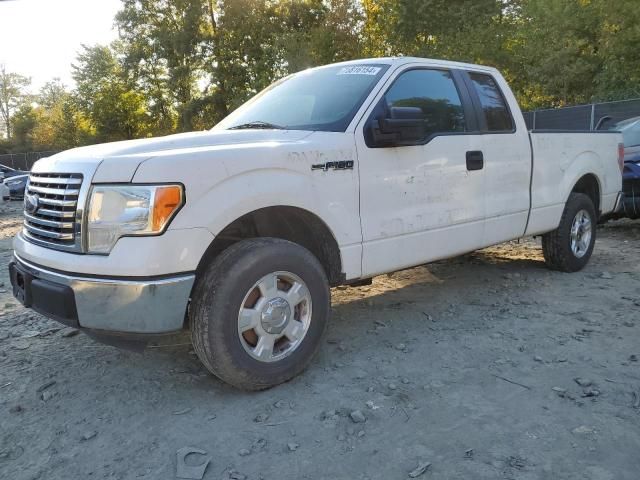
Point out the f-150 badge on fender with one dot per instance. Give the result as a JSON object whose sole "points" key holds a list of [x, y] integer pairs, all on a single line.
{"points": [[341, 165]]}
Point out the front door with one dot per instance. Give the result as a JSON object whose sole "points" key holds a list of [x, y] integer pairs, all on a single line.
{"points": [[422, 202]]}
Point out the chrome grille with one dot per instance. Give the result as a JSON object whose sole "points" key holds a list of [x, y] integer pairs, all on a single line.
{"points": [[53, 219]]}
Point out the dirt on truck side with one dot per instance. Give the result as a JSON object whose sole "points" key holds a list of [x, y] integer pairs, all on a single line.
{"points": [[486, 366]]}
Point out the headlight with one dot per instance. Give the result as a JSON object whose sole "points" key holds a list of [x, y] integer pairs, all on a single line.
{"points": [[123, 210], [13, 183]]}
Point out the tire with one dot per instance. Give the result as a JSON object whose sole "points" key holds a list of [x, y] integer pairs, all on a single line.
{"points": [[233, 284], [566, 251]]}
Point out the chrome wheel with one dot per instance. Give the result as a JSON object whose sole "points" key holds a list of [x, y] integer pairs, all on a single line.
{"points": [[274, 317], [581, 233]]}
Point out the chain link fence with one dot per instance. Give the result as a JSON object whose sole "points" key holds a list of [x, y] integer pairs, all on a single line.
{"points": [[23, 161], [595, 116]]}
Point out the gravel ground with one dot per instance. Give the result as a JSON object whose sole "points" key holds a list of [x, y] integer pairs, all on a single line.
{"points": [[481, 367]]}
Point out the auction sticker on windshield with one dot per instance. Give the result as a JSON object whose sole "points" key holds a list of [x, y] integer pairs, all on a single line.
{"points": [[359, 70]]}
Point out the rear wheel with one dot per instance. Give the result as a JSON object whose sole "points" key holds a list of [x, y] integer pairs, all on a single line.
{"points": [[569, 247], [259, 311]]}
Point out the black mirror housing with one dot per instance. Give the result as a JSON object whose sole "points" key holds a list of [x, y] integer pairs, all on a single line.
{"points": [[406, 113], [401, 126]]}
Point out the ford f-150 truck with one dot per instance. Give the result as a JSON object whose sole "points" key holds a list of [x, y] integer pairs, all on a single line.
{"points": [[330, 176]]}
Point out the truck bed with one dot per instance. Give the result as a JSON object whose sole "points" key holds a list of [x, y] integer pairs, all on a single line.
{"points": [[560, 159]]}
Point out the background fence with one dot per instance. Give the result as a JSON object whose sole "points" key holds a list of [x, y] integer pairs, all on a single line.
{"points": [[583, 117], [23, 161]]}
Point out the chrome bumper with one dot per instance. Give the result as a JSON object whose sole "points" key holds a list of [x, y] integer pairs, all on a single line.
{"points": [[117, 306]]}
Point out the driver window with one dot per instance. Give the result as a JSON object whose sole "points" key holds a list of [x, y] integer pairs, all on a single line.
{"points": [[435, 93]]}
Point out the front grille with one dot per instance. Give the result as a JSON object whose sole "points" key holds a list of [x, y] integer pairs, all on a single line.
{"points": [[55, 196]]}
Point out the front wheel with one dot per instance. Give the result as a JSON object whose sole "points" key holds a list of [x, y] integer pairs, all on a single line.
{"points": [[569, 247], [259, 311]]}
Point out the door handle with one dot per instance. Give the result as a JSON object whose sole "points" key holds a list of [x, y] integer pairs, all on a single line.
{"points": [[475, 160]]}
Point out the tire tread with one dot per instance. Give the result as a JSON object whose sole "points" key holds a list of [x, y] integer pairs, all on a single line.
{"points": [[555, 248], [219, 361]]}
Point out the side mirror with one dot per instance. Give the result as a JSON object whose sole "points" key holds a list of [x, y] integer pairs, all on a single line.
{"points": [[401, 126]]}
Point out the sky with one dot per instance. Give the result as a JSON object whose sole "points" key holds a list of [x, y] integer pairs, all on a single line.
{"points": [[41, 38]]}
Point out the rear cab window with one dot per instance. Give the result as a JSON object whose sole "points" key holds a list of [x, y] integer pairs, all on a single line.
{"points": [[492, 102]]}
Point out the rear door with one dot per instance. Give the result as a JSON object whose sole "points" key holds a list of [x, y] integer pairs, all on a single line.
{"points": [[506, 151]]}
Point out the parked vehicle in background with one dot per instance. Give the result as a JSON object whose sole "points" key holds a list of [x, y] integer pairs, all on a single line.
{"points": [[15, 186], [9, 172], [328, 177], [13, 182], [630, 129], [4, 191]]}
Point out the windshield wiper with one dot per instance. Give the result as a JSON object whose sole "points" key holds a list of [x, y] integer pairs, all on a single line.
{"points": [[257, 124]]}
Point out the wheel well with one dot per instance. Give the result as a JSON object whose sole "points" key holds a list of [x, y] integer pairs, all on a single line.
{"points": [[589, 185], [288, 223]]}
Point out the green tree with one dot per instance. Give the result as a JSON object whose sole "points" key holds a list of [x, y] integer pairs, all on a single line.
{"points": [[95, 68], [107, 98], [465, 30], [476, 31], [71, 127], [619, 37], [577, 51], [56, 126], [61, 124], [255, 42], [24, 120], [558, 43], [51, 93], [119, 113], [317, 32], [195, 61], [164, 43], [243, 54], [12, 93]]}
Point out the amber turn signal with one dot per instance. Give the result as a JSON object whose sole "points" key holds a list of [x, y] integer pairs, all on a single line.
{"points": [[168, 199]]}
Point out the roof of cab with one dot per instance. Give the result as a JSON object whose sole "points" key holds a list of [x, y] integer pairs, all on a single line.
{"points": [[398, 61]]}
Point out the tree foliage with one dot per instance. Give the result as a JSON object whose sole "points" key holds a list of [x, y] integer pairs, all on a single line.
{"points": [[197, 60], [165, 45], [12, 93], [180, 65], [107, 97], [51, 120], [576, 51]]}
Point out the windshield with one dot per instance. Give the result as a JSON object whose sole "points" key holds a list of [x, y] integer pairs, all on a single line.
{"points": [[630, 129], [322, 99]]}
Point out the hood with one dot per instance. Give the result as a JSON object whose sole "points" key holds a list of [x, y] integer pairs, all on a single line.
{"points": [[118, 161]]}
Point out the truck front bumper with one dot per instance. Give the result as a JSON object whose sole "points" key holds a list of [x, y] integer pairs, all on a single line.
{"points": [[108, 306]]}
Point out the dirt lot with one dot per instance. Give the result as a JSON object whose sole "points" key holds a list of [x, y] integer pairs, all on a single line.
{"points": [[487, 366]]}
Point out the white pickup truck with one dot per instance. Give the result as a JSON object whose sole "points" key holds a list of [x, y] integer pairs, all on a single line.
{"points": [[329, 176]]}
